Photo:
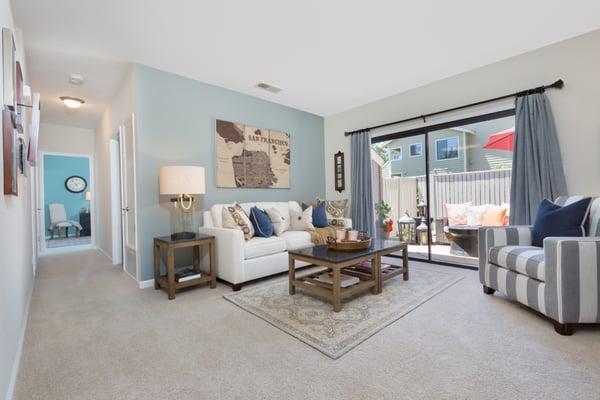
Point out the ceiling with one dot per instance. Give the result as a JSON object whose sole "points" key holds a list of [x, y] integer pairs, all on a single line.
{"points": [[328, 56]]}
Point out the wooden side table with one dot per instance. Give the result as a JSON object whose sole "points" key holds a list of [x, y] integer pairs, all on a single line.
{"points": [[168, 282]]}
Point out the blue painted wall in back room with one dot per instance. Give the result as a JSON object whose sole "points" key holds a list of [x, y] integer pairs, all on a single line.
{"points": [[56, 170], [175, 124]]}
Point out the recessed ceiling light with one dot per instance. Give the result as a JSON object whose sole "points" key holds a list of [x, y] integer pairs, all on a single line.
{"points": [[71, 102]]}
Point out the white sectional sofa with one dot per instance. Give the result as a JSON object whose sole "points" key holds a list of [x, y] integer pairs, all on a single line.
{"points": [[240, 261]]}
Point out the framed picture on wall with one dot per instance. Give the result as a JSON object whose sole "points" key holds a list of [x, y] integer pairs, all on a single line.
{"points": [[9, 154], [8, 68]]}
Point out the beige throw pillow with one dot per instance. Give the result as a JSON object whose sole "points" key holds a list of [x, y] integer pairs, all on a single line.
{"points": [[302, 221], [475, 214], [234, 217], [280, 225], [457, 213]]}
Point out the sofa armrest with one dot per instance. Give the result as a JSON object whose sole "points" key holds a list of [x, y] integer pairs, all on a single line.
{"points": [[229, 249], [572, 279], [490, 236]]}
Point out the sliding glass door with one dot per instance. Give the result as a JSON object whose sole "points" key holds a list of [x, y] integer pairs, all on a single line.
{"points": [[443, 182], [401, 193]]}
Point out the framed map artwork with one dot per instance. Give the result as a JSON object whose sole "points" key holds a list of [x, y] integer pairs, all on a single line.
{"points": [[251, 157]]}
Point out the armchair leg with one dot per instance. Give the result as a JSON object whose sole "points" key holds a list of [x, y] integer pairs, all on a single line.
{"points": [[488, 290], [563, 329], [236, 287]]}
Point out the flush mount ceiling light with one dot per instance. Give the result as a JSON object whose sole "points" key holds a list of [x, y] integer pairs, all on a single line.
{"points": [[71, 102]]}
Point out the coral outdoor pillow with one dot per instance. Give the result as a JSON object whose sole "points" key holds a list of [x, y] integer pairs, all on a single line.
{"points": [[554, 220], [494, 216]]}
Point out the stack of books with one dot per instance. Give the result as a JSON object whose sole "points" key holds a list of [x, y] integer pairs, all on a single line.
{"points": [[366, 266], [186, 274], [346, 280]]}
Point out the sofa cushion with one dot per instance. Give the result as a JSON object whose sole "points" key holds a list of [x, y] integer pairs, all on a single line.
{"points": [[526, 260], [260, 246], [261, 222], [296, 239], [301, 221], [319, 214], [234, 217], [553, 220]]}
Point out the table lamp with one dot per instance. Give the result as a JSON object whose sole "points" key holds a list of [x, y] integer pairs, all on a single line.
{"points": [[185, 181], [88, 197]]}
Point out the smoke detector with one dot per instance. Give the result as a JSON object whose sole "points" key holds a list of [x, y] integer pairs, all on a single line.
{"points": [[76, 79], [268, 87]]}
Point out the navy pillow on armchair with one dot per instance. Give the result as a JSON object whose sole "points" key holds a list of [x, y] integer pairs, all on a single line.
{"points": [[553, 220]]}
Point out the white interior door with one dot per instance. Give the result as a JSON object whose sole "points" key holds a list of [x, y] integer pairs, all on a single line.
{"points": [[128, 197]]}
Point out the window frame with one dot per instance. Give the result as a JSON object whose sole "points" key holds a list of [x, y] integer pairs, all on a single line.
{"points": [[420, 151], [396, 148], [457, 149]]}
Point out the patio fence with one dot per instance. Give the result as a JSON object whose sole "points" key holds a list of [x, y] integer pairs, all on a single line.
{"points": [[479, 187]]}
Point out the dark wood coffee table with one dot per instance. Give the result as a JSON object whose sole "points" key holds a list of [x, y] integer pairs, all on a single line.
{"points": [[337, 262]]}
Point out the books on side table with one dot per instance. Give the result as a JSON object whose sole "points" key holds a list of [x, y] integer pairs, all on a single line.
{"points": [[186, 274]]}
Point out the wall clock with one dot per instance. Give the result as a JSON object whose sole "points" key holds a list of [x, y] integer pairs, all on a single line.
{"points": [[75, 184]]}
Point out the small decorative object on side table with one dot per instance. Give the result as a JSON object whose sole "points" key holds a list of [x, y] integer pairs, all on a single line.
{"points": [[168, 281]]}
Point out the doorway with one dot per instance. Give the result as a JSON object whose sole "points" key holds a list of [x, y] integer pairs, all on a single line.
{"points": [[123, 198], [66, 202]]}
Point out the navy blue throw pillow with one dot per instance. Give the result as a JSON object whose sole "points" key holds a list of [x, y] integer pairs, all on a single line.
{"points": [[554, 220], [263, 226], [319, 214]]}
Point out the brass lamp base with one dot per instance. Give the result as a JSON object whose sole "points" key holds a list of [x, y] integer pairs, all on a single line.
{"points": [[183, 236]]}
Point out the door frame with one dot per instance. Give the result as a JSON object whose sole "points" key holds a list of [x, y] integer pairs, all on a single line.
{"points": [[425, 130], [42, 205], [121, 132], [115, 200]]}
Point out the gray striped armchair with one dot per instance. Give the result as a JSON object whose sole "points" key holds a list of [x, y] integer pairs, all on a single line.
{"points": [[560, 280]]}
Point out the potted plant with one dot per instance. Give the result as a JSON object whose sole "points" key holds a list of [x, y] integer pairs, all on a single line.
{"points": [[385, 224]]}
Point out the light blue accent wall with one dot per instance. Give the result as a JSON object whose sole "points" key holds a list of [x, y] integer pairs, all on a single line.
{"points": [[56, 170], [175, 124]]}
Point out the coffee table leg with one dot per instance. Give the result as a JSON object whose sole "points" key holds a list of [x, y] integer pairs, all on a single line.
{"points": [[376, 274], [292, 274], [405, 262], [337, 290]]}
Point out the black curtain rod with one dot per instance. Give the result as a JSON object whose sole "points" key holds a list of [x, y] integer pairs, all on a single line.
{"points": [[540, 89]]}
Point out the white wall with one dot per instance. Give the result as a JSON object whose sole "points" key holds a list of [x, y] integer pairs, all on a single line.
{"points": [[16, 272], [576, 107], [119, 109], [66, 139]]}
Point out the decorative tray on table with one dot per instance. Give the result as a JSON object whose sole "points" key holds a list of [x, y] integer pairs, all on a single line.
{"points": [[363, 242]]}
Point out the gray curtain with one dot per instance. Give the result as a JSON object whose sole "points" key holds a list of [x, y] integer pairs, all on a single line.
{"points": [[537, 165], [362, 187]]}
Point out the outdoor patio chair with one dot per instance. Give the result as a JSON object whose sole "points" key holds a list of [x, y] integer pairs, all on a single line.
{"points": [[58, 220]]}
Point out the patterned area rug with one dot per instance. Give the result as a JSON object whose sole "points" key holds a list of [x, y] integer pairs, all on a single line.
{"points": [[313, 321]]}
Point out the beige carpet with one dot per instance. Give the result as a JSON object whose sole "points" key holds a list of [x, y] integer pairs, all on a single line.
{"points": [[92, 334], [312, 320]]}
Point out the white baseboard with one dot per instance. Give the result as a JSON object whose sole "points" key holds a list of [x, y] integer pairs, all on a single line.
{"points": [[104, 253], [17, 363], [67, 249], [146, 284]]}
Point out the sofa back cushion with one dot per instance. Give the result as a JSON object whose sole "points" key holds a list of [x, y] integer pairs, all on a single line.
{"points": [[216, 210], [554, 220], [592, 226]]}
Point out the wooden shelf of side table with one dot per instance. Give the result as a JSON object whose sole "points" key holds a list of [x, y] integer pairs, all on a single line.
{"points": [[168, 282]]}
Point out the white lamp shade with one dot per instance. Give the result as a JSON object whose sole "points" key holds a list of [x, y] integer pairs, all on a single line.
{"points": [[181, 179], [88, 196]]}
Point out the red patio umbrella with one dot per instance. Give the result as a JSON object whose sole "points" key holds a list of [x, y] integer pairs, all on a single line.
{"points": [[502, 140]]}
